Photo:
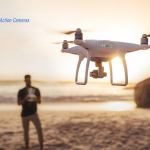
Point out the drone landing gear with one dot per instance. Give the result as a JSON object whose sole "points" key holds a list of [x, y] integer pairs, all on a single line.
{"points": [[98, 73]]}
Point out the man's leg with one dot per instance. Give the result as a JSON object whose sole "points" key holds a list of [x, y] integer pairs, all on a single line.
{"points": [[25, 123], [36, 122]]}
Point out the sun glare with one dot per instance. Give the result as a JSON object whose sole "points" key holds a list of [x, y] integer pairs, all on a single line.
{"points": [[118, 70]]}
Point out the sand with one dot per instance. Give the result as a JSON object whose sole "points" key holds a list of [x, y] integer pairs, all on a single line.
{"points": [[80, 130]]}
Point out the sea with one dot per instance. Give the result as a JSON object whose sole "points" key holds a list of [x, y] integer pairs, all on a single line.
{"points": [[68, 91]]}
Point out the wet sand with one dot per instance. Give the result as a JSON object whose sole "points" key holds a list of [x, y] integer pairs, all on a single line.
{"points": [[79, 130]]}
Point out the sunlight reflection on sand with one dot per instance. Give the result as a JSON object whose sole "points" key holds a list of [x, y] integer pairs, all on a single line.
{"points": [[109, 106], [119, 106]]}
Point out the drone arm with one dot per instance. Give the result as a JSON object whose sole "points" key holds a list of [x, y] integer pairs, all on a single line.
{"points": [[125, 70], [87, 68]]}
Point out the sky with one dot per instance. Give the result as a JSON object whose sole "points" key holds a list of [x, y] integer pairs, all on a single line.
{"points": [[27, 48]]}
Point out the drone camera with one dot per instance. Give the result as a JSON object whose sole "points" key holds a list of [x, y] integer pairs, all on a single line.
{"points": [[95, 74], [78, 34], [65, 45], [98, 73], [144, 40]]}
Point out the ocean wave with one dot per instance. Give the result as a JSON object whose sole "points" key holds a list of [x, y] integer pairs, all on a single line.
{"points": [[90, 98]]}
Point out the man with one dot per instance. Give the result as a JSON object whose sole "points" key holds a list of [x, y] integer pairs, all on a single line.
{"points": [[28, 97]]}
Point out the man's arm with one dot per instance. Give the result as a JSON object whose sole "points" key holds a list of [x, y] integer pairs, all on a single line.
{"points": [[20, 100], [38, 99]]}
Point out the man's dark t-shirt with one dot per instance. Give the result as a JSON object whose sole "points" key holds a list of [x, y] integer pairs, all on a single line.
{"points": [[29, 108]]}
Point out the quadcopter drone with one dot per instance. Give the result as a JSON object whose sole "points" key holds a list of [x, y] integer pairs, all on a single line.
{"points": [[100, 51]]}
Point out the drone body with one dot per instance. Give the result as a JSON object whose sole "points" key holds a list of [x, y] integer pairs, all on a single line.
{"points": [[100, 51]]}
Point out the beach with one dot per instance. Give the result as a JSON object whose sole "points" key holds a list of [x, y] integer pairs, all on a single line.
{"points": [[65, 128], [78, 70]]}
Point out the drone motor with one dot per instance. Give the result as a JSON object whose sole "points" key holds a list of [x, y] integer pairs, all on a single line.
{"points": [[65, 45], [78, 34], [144, 40]]}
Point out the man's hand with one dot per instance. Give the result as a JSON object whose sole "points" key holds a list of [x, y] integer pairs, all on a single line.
{"points": [[20, 102], [26, 98], [38, 100]]}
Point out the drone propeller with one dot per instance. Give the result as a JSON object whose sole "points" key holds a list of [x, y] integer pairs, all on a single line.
{"points": [[148, 35], [78, 36], [71, 32], [63, 42]]}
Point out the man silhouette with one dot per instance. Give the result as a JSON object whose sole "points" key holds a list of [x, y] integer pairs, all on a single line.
{"points": [[28, 97]]}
